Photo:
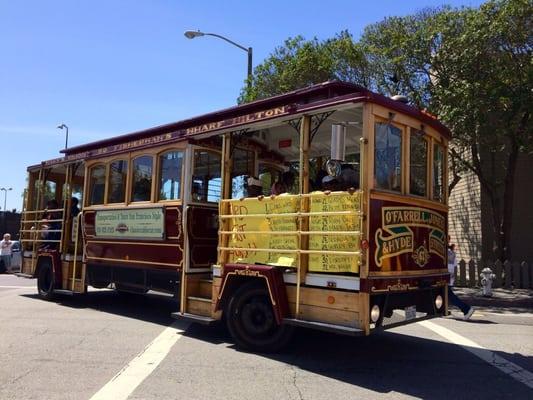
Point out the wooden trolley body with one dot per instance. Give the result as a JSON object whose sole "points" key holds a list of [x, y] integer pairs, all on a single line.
{"points": [[169, 209]]}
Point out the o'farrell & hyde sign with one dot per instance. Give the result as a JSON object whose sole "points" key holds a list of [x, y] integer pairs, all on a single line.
{"points": [[396, 237]]}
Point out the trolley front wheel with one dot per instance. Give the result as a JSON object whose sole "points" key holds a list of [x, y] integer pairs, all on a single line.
{"points": [[251, 320]]}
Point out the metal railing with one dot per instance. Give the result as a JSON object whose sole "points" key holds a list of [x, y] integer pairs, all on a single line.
{"points": [[76, 238], [34, 235], [225, 249]]}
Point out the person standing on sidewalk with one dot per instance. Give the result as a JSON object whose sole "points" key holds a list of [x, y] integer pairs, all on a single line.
{"points": [[452, 297], [5, 251]]}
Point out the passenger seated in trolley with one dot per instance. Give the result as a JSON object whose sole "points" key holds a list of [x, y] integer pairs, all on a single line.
{"points": [[285, 183], [330, 183], [254, 187], [349, 178], [50, 226]]}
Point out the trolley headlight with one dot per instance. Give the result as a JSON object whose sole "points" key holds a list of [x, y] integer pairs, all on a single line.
{"points": [[374, 313], [439, 302]]}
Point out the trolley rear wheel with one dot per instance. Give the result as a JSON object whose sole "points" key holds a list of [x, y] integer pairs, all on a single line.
{"points": [[251, 320]]}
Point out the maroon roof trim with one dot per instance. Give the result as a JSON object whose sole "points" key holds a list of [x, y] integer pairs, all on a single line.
{"points": [[329, 89], [295, 102]]}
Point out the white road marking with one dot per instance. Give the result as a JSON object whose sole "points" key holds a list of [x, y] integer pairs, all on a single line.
{"points": [[511, 369], [16, 287], [137, 370]]}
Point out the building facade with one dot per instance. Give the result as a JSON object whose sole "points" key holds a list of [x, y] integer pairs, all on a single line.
{"points": [[470, 216]]}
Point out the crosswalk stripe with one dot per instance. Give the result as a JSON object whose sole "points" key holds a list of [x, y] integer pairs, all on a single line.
{"points": [[137, 370], [509, 368], [16, 287]]}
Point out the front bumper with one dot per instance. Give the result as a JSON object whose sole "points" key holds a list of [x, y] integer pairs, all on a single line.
{"points": [[396, 308]]}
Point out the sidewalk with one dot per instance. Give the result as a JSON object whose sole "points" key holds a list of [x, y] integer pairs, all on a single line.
{"points": [[502, 300]]}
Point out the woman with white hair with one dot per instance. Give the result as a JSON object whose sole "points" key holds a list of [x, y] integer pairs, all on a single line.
{"points": [[5, 251]]}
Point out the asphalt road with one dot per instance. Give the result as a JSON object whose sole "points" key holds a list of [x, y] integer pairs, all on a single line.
{"points": [[72, 348]]}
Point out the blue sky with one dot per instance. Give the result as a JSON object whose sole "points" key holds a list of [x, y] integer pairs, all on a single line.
{"points": [[106, 68]]}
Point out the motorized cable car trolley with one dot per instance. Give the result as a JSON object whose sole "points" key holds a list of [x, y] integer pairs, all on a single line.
{"points": [[325, 208]]}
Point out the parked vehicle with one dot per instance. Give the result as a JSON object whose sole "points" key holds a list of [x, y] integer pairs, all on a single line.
{"points": [[16, 257]]}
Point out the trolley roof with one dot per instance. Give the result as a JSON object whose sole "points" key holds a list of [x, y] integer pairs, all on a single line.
{"points": [[314, 97]]}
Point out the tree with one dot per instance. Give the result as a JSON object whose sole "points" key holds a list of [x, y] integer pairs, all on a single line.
{"points": [[472, 68], [300, 63], [484, 92]]}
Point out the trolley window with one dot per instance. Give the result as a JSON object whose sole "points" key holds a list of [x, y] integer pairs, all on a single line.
{"points": [[206, 179], [268, 175], [388, 157], [141, 187], [418, 164], [243, 167], [50, 191], [118, 171], [97, 185], [170, 166], [438, 172]]}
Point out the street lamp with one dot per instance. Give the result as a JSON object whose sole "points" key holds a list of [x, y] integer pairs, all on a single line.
{"points": [[193, 34], [5, 196], [63, 126]]}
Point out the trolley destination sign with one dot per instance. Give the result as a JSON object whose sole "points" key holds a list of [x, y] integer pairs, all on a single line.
{"points": [[155, 140]]}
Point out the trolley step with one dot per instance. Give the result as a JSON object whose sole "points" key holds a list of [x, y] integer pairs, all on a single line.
{"points": [[343, 330], [193, 318], [199, 305], [22, 275], [200, 288], [63, 291]]}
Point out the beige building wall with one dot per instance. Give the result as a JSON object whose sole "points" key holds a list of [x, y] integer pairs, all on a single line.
{"points": [[464, 217], [521, 232], [470, 216]]}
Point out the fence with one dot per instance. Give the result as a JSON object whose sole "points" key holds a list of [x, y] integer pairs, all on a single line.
{"points": [[509, 275]]}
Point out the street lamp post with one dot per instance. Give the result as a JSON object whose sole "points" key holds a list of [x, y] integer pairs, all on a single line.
{"points": [[5, 190], [63, 126], [193, 34]]}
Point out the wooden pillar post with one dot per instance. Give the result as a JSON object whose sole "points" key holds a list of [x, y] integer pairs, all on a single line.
{"points": [[227, 165], [303, 259], [66, 194]]}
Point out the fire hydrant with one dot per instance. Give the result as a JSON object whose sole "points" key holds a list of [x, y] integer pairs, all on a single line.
{"points": [[486, 281]]}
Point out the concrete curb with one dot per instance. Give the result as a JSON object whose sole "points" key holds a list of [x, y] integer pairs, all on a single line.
{"points": [[513, 300]]}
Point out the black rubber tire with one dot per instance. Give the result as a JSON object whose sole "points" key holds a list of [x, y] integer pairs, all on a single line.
{"points": [[100, 285], [45, 280], [251, 322], [129, 290]]}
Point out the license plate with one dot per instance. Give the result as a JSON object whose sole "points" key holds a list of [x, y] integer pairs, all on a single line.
{"points": [[410, 313]]}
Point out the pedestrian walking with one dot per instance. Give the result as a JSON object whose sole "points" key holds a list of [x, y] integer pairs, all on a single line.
{"points": [[5, 251], [452, 297]]}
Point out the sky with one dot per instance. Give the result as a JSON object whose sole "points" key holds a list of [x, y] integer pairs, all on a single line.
{"points": [[106, 68]]}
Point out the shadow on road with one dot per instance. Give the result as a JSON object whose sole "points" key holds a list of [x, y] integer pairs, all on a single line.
{"points": [[388, 362], [154, 308], [392, 362]]}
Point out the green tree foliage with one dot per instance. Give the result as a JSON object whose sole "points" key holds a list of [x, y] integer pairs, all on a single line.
{"points": [[484, 92], [401, 52], [300, 63], [473, 68]]}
